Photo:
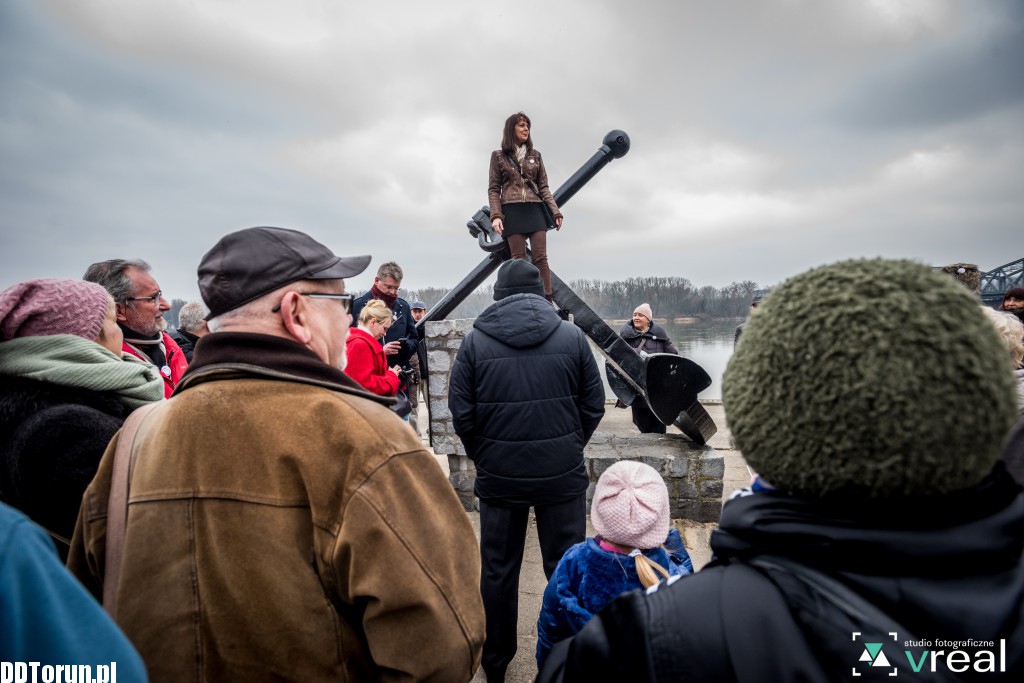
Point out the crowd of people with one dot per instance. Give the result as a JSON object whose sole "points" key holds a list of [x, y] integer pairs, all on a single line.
{"points": [[243, 499]]}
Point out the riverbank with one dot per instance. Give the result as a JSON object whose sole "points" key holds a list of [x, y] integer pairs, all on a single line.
{"points": [[684, 320]]}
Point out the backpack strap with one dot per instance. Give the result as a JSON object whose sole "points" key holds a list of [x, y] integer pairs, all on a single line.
{"points": [[117, 506], [838, 595]]}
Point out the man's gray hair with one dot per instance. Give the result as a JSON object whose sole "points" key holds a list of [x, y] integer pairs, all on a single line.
{"points": [[192, 316], [390, 269], [111, 275]]}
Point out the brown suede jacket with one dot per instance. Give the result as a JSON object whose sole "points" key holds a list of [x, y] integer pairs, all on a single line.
{"points": [[283, 524], [506, 186]]}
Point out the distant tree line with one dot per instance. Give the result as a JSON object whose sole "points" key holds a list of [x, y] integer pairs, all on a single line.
{"points": [[669, 297]]}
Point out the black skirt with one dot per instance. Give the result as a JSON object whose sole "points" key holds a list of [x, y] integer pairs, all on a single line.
{"points": [[524, 218]]}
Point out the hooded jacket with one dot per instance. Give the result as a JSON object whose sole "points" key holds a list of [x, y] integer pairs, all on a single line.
{"points": [[525, 397], [283, 524], [946, 569]]}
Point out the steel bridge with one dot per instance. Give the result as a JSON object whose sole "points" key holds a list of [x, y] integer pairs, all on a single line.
{"points": [[995, 282]]}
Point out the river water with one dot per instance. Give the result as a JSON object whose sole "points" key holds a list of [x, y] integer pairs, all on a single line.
{"points": [[707, 343]]}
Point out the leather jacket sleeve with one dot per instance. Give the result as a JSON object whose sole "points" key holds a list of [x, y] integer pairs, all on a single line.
{"points": [[495, 180]]}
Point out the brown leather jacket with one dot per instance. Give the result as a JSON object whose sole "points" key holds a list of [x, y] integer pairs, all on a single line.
{"points": [[283, 524], [505, 185]]}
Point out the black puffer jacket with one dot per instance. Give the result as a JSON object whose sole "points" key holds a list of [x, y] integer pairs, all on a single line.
{"points": [[944, 569], [525, 397], [657, 339], [186, 341], [51, 441]]}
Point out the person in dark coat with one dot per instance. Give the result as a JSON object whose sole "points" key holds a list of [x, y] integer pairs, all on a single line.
{"points": [[754, 303], [882, 530], [646, 336], [64, 392], [525, 397]]}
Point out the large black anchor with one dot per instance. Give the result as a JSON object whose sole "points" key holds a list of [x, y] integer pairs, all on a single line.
{"points": [[669, 383]]}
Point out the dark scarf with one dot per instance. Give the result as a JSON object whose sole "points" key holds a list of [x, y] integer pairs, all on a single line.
{"points": [[389, 299], [264, 354]]}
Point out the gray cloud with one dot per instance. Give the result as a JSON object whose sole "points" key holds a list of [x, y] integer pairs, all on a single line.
{"points": [[767, 137]]}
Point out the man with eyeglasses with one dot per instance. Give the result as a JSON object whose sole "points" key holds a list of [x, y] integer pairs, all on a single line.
{"points": [[401, 341], [282, 522], [140, 315]]}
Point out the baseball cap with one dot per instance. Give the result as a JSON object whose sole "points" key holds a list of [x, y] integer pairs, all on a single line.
{"points": [[246, 264], [418, 304]]}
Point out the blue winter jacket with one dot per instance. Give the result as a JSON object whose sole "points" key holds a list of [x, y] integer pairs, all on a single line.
{"points": [[47, 617], [588, 578]]}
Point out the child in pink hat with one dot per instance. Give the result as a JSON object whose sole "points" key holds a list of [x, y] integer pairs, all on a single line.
{"points": [[634, 548]]}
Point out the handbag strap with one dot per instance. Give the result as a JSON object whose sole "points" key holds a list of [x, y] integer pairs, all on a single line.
{"points": [[117, 506], [533, 186]]}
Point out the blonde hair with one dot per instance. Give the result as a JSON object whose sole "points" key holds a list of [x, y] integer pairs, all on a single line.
{"points": [[1011, 330], [376, 309], [648, 570]]}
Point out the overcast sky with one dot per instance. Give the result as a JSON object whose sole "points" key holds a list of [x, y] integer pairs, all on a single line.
{"points": [[767, 136]]}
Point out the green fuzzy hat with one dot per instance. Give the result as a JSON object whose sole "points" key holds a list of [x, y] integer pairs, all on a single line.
{"points": [[870, 379]]}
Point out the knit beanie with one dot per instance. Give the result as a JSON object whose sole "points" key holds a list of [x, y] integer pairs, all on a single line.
{"points": [[518, 277], [645, 310], [630, 505], [869, 379], [39, 308], [966, 274]]}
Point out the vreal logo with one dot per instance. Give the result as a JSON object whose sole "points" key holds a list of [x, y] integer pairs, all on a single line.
{"points": [[874, 655], [956, 656]]}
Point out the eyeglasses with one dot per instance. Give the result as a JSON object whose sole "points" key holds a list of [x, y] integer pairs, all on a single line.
{"points": [[155, 298], [344, 299]]}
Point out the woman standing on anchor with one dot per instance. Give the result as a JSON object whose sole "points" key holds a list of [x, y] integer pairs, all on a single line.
{"points": [[522, 207]]}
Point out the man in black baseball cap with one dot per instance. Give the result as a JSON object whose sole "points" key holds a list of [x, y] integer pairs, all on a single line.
{"points": [[271, 493]]}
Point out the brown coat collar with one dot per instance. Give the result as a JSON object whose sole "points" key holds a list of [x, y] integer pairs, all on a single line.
{"points": [[224, 355]]}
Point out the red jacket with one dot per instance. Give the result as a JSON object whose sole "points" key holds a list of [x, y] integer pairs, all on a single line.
{"points": [[367, 365], [176, 362]]}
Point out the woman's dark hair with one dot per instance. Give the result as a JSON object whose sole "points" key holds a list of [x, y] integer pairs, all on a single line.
{"points": [[508, 136], [1014, 293]]}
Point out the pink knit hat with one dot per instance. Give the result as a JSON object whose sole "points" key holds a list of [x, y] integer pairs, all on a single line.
{"points": [[631, 505], [645, 310], [39, 308]]}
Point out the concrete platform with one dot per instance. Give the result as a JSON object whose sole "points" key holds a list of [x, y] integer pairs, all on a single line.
{"points": [[696, 536]]}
